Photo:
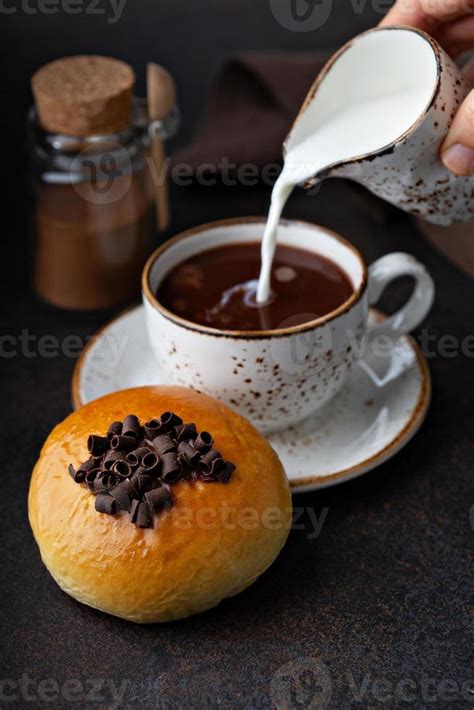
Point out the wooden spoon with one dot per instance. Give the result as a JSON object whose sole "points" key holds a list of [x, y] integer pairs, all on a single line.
{"points": [[161, 94]]}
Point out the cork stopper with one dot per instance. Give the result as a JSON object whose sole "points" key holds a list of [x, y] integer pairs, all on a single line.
{"points": [[84, 95]]}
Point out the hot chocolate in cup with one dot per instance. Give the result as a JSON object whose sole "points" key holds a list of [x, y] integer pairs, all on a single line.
{"points": [[278, 377]]}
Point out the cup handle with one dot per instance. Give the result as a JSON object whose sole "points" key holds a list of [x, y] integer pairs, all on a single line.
{"points": [[385, 270]]}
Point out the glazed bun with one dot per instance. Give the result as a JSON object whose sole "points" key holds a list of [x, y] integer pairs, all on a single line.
{"points": [[213, 542]]}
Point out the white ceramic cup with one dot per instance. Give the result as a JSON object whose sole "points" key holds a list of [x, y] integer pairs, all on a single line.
{"points": [[278, 377]]}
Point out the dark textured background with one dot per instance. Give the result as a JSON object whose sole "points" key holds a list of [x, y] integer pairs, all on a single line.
{"points": [[382, 594]]}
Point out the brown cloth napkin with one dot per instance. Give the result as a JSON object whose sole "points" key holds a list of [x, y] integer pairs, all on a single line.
{"points": [[255, 101], [253, 106], [455, 242]]}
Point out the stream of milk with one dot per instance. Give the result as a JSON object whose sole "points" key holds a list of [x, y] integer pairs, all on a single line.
{"points": [[357, 129]]}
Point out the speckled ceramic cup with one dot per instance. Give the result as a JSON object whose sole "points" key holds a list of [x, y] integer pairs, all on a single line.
{"points": [[408, 172], [277, 377]]}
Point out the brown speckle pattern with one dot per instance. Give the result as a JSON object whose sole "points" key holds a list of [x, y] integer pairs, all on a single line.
{"points": [[409, 173], [272, 380]]}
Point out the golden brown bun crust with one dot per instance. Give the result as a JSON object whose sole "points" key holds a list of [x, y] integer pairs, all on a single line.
{"points": [[197, 554]]}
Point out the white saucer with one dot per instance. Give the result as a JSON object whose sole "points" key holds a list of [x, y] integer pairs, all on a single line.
{"points": [[380, 409]]}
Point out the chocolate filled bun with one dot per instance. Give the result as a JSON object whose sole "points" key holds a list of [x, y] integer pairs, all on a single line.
{"points": [[155, 503]]}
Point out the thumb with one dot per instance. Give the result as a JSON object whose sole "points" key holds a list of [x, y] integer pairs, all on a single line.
{"points": [[457, 151]]}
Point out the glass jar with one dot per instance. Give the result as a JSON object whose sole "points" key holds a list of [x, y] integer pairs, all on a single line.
{"points": [[93, 211]]}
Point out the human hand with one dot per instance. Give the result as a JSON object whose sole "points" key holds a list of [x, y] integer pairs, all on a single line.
{"points": [[451, 23]]}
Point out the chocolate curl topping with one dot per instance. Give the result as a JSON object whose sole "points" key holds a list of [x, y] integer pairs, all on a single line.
{"points": [[185, 432], [104, 481], [151, 462], [142, 481], [164, 444], [169, 420], [114, 428], [122, 469], [159, 499], [204, 441], [123, 494], [134, 458], [189, 453], [145, 484], [216, 465], [225, 472], [143, 515], [91, 476], [93, 462], [77, 476], [131, 426], [123, 443], [134, 510], [112, 457], [211, 476], [152, 428], [111, 478], [207, 460], [105, 504], [97, 445], [129, 468], [170, 467]]}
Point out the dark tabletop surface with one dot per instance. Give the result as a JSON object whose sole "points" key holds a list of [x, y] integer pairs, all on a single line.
{"points": [[374, 611]]}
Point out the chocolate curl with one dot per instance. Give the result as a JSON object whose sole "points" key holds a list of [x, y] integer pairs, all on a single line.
{"points": [[204, 442], [220, 471], [164, 444], [122, 469], [111, 479], [131, 426], [145, 484], [185, 432], [91, 476], [123, 494], [123, 443], [114, 429], [126, 468], [134, 509], [134, 458], [142, 481], [77, 476], [141, 515], [105, 504], [97, 445], [90, 464], [225, 472], [169, 420], [151, 462], [152, 428], [212, 476], [159, 499], [104, 482], [98, 485], [171, 467], [206, 462], [111, 458], [189, 454]]}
